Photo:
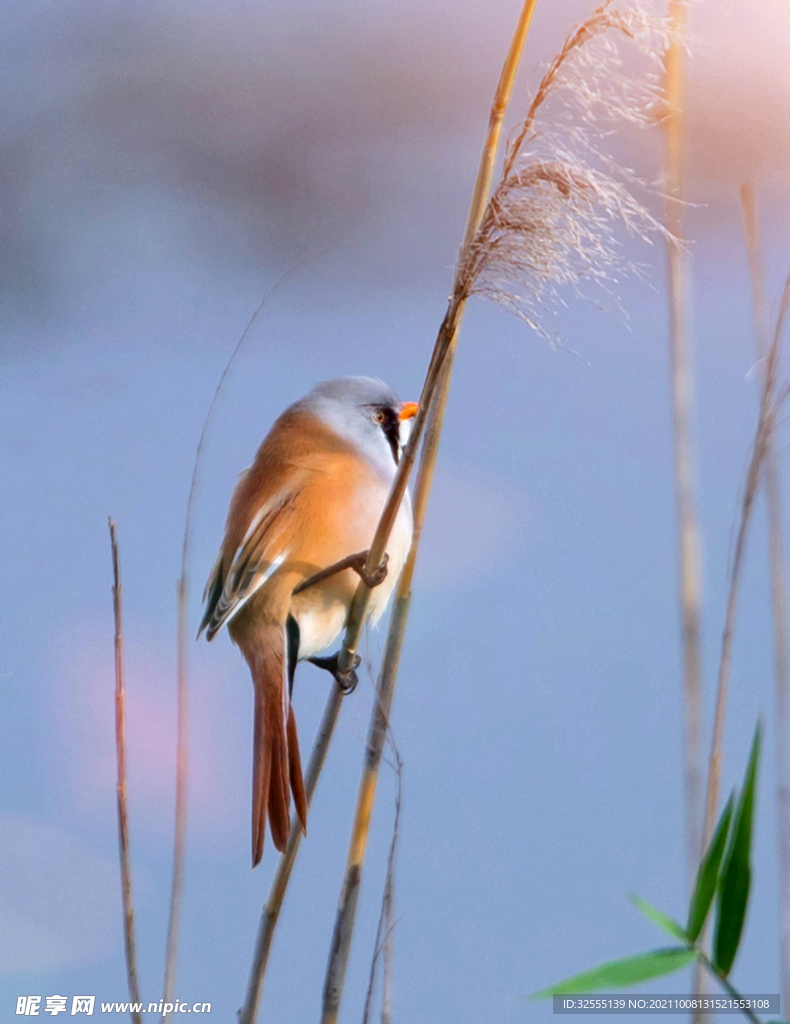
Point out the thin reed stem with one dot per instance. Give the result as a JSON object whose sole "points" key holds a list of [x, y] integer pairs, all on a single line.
{"points": [[344, 923], [773, 495], [386, 925], [273, 905], [182, 758], [682, 386], [179, 838], [770, 401], [386, 983], [684, 456], [432, 405], [130, 946]]}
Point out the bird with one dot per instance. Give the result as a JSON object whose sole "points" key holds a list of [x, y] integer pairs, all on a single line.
{"points": [[288, 567]]}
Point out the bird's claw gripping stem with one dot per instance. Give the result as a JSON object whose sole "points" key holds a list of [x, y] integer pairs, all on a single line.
{"points": [[358, 563], [346, 679], [370, 579]]}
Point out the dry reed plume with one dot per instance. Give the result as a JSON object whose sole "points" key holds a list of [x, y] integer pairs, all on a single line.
{"points": [[552, 220]]}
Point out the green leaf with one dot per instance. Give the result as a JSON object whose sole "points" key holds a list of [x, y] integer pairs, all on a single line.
{"points": [[707, 874], [664, 921], [735, 877], [622, 973]]}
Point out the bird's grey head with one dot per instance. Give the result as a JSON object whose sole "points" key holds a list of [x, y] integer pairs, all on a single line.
{"points": [[365, 412]]}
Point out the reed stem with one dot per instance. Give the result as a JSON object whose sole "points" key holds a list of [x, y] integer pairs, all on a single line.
{"points": [[130, 945], [179, 837], [770, 402], [446, 336], [432, 407], [273, 905], [774, 509], [682, 386]]}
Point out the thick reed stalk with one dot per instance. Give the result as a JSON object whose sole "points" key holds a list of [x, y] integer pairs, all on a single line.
{"points": [[130, 947], [432, 405], [682, 386], [344, 922], [773, 495], [446, 336], [273, 905]]}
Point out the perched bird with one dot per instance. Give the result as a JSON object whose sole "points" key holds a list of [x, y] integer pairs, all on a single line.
{"points": [[312, 498]]}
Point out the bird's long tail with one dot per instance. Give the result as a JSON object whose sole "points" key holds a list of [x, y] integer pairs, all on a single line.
{"points": [[276, 768]]}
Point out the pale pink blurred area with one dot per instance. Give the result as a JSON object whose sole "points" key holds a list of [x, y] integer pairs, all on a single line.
{"points": [[738, 126], [82, 735], [59, 899]]}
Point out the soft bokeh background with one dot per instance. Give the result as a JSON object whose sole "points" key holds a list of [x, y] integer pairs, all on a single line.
{"points": [[162, 166]]}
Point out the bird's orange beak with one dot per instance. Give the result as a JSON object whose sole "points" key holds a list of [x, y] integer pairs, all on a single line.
{"points": [[408, 410]]}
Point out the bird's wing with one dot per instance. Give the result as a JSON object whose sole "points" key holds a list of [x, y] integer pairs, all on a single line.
{"points": [[264, 510], [240, 570]]}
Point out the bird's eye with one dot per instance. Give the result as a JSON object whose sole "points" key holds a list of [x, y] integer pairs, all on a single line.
{"points": [[379, 416]]}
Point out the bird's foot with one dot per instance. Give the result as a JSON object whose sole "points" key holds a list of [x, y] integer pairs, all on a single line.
{"points": [[346, 679], [356, 562], [370, 579]]}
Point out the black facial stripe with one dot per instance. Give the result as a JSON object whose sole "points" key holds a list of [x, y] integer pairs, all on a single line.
{"points": [[391, 428]]}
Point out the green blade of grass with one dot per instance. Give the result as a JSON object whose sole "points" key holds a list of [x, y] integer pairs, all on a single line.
{"points": [[622, 973], [708, 874], [735, 877], [658, 917]]}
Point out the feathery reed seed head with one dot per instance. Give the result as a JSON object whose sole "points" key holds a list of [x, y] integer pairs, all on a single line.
{"points": [[552, 219]]}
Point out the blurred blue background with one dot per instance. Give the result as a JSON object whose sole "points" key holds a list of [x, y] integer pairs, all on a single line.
{"points": [[163, 166]]}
